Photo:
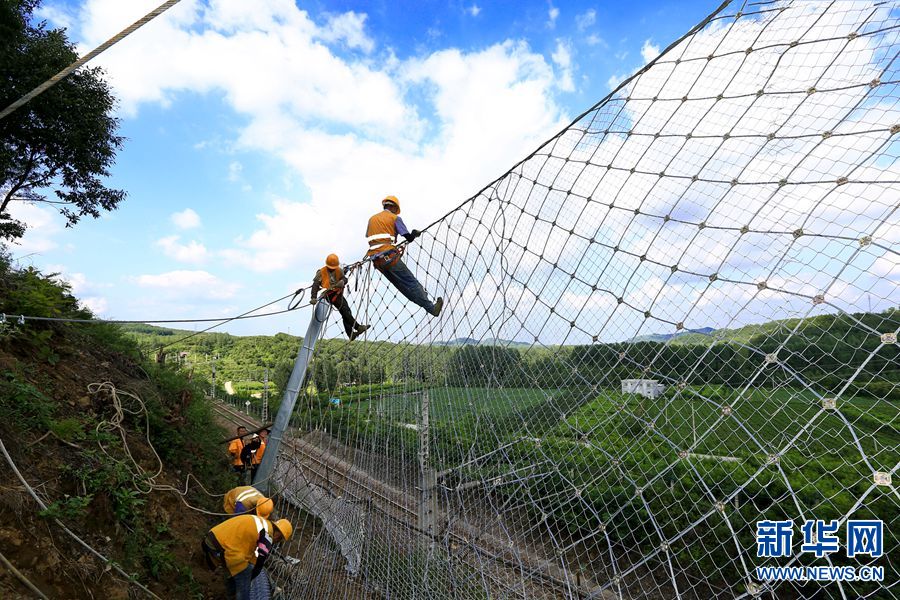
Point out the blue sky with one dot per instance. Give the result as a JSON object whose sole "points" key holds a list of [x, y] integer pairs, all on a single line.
{"points": [[226, 210]]}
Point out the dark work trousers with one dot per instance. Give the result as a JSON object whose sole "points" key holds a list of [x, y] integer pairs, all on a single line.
{"points": [[238, 586], [407, 284], [338, 301]]}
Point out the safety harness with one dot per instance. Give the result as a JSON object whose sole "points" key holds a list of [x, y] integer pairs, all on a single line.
{"points": [[385, 259]]}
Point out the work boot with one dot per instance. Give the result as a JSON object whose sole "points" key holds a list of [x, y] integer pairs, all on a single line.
{"points": [[438, 305], [360, 329]]}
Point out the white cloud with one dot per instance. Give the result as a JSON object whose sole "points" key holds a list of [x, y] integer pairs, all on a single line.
{"points": [[186, 219], [586, 19], [649, 51], [595, 40], [353, 129], [474, 10], [493, 107], [552, 15], [614, 81], [57, 16], [562, 56], [348, 28], [266, 56], [98, 305], [235, 169], [87, 292], [188, 285], [43, 225], [191, 252]]}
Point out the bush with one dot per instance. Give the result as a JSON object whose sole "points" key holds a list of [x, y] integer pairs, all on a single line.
{"points": [[22, 405], [72, 507]]}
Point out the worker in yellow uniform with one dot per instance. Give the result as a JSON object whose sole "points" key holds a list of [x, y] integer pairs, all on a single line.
{"points": [[247, 499], [331, 279], [258, 455], [382, 233], [242, 544], [235, 448]]}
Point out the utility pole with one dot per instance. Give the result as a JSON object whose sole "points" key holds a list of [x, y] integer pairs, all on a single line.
{"points": [[213, 390], [291, 391]]}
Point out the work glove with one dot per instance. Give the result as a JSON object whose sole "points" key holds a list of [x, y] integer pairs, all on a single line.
{"points": [[413, 235], [313, 300]]}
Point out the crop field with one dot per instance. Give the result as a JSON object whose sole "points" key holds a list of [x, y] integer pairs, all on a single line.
{"points": [[452, 403]]}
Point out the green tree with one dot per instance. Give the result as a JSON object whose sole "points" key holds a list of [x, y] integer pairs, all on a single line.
{"points": [[65, 138]]}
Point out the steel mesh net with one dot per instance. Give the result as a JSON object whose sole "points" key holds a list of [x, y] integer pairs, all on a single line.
{"points": [[675, 319]]}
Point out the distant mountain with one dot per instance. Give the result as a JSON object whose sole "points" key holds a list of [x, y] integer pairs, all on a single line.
{"points": [[466, 341], [703, 332]]}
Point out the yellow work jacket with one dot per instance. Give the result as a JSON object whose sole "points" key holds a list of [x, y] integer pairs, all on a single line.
{"points": [[234, 449], [245, 494], [381, 232], [238, 537]]}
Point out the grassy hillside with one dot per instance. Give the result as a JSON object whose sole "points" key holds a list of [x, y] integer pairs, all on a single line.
{"points": [[62, 435]]}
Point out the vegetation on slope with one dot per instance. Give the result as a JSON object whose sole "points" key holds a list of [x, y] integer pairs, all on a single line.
{"points": [[61, 438]]}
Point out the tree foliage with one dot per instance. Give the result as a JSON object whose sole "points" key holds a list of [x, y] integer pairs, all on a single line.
{"points": [[64, 139]]}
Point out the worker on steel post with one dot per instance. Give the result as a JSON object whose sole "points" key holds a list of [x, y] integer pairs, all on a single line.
{"points": [[331, 279], [382, 233], [235, 448], [247, 499], [241, 545]]}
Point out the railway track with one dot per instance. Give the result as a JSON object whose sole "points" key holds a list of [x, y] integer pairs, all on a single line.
{"points": [[334, 473], [322, 468]]}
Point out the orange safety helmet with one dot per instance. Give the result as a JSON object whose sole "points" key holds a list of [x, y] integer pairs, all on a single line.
{"points": [[264, 507], [391, 200], [333, 262], [285, 527]]}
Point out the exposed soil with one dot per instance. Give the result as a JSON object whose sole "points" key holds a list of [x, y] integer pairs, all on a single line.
{"points": [[40, 548]]}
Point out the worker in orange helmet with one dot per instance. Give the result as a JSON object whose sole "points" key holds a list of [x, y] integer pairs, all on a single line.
{"points": [[382, 233], [247, 499], [331, 279], [241, 545], [235, 448]]}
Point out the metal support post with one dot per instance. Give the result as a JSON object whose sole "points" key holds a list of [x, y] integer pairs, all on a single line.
{"points": [[265, 411], [291, 391], [428, 479]]}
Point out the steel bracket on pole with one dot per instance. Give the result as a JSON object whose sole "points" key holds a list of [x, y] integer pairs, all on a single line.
{"points": [[289, 399]]}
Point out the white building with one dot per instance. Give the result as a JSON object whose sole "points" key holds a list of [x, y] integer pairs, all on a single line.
{"points": [[649, 388]]}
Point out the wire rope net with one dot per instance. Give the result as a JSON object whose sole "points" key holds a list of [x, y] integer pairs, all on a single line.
{"points": [[676, 319]]}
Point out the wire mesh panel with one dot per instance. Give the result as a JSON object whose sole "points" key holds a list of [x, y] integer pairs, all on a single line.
{"points": [[672, 324]]}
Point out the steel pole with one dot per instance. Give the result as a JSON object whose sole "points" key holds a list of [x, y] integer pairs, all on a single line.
{"points": [[291, 391], [266, 398]]}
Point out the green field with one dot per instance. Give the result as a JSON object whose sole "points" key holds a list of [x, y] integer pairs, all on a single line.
{"points": [[713, 420], [580, 455], [733, 423], [448, 404]]}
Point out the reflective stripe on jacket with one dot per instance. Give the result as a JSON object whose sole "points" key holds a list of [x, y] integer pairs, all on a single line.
{"points": [[234, 449], [381, 232], [238, 537], [247, 495]]}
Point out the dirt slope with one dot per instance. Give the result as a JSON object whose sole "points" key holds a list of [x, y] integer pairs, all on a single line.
{"points": [[43, 388]]}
